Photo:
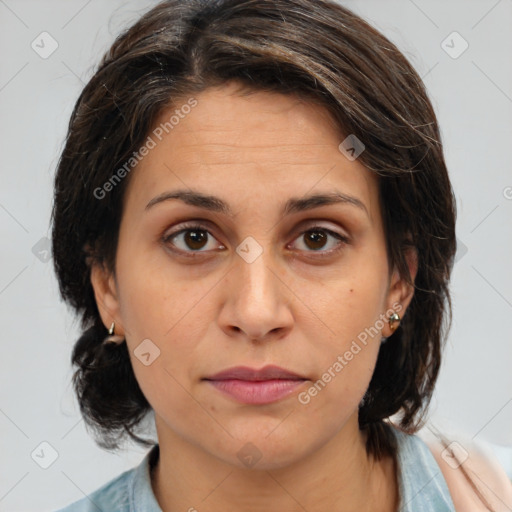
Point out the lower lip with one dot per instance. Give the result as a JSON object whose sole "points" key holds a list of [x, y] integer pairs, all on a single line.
{"points": [[257, 392]]}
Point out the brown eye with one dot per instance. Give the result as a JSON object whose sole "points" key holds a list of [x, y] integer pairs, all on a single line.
{"points": [[316, 238], [190, 239], [195, 239]]}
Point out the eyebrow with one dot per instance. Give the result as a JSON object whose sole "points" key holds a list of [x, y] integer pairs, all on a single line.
{"points": [[293, 205]]}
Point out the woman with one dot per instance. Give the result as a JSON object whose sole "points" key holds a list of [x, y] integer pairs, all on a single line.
{"points": [[254, 219]]}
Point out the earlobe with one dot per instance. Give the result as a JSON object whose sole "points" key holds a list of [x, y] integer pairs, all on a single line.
{"points": [[105, 293]]}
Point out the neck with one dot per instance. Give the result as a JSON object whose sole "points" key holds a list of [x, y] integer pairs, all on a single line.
{"points": [[337, 476]]}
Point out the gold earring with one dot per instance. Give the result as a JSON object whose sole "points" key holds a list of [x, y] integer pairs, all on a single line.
{"points": [[116, 339], [394, 320]]}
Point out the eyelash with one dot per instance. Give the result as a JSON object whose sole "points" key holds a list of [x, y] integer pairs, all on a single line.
{"points": [[198, 227]]}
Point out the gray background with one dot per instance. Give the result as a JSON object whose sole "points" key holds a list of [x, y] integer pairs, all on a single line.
{"points": [[472, 95]]}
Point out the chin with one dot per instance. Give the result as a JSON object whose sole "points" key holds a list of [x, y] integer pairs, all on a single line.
{"points": [[264, 449]]}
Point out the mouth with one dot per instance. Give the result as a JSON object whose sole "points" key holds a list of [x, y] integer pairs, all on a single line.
{"points": [[252, 386]]}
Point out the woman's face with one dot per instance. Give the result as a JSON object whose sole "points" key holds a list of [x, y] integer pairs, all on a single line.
{"points": [[271, 278]]}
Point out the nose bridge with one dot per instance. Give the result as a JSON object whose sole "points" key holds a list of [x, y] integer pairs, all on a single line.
{"points": [[256, 277], [256, 296]]}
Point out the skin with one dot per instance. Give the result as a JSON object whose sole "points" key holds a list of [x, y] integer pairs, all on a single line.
{"points": [[482, 467], [288, 307]]}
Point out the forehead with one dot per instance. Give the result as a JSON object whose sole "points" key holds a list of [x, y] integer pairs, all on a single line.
{"points": [[234, 145]]}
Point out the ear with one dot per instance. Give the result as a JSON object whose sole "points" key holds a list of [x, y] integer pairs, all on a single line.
{"points": [[106, 295], [400, 292]]}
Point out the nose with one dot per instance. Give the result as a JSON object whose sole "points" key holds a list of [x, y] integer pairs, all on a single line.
{"points": [[258, 299]]}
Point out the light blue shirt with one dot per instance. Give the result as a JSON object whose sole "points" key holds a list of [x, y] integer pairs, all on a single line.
{"points": [[421, 483]]}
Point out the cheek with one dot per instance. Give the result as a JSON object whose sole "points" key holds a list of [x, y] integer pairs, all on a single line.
{"points": [[155, 299], [352, 310], [346, 365], [352, 306]]}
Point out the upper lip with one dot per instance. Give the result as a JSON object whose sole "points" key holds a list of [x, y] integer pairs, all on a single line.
{"points": [[252, 374]]}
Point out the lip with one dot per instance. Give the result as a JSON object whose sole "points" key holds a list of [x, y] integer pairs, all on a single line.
{"points": [[252, 386], [269, 372], [259, 392]]}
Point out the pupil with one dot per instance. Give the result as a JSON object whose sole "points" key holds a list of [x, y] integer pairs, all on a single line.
{"points": [[316, 236], [194, 239]]}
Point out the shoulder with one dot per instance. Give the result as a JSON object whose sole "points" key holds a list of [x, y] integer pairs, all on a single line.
{"points": [[114, 495], [463, 460]]}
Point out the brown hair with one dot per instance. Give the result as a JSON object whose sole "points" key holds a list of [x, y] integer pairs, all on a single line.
{"points": [[313, 48]]}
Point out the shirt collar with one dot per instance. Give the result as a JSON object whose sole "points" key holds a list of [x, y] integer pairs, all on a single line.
{"points": [[142, 496]]}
